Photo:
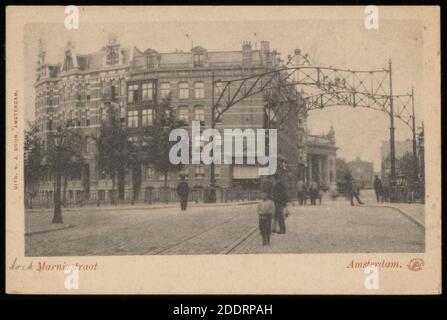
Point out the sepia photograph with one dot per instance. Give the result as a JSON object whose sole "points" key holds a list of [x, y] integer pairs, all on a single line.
{"points": [[261, 137]]}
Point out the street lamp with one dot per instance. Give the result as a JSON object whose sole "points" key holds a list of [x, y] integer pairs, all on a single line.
{"points": [[59, 138]]}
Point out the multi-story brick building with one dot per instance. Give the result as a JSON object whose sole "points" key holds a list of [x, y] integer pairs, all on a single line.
{"points": [[76, 92]]}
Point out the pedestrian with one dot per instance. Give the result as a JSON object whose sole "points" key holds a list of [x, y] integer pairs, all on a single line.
{"points": [[266, 208], [301, 191], [378, 188], [183, 192], [313, 190], [280, 201], [353, 190]]}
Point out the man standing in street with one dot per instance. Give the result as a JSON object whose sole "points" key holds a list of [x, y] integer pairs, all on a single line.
{"points": [[353, 190], [378, 188], [183, 192], [314, 192], [300, 189], [280, 201]]}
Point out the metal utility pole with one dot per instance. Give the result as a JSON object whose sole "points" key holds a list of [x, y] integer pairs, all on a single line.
{"points": [[212, 197], [415, 158], [392, 141]]}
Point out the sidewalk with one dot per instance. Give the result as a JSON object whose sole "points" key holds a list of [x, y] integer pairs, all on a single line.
{"points": [[414, 211], [142, 206], [38, 218]]}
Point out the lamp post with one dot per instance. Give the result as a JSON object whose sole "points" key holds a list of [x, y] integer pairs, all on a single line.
{"points": [[58, 141]]}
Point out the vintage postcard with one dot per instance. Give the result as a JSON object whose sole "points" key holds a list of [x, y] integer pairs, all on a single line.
{"points": [[223, 150]]}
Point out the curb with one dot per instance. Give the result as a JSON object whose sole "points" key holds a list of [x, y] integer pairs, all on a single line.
{"points": [[401, 211], [48, 230]]}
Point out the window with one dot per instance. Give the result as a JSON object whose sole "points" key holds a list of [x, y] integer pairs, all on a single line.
{"points": [[132, 119], [87, 117], [183, 114], [165, 89], [199, 90], [147, 90], [132, 92], [123, 88], [147, 117], [149, 173], [199, 114], [88, 97], [151, 61], [112, 92], [198, 59], [183, 90], [200, 171], [122, 113]]}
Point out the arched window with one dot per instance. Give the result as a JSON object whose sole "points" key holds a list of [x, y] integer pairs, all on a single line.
{"points": [[183, 113], [165, 89], [183, 90]]}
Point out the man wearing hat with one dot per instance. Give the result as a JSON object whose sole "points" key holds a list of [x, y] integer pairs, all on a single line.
{"points": [[183, 192]]}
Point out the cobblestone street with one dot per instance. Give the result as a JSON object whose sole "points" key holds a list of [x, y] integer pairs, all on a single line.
{"points": [[334, 226]]}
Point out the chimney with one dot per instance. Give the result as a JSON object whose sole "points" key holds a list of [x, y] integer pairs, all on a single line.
{"points": [[246, 53], [265, 52]]}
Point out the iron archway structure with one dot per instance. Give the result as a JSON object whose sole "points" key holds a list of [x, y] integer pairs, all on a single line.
{"points": [[371, 89]]}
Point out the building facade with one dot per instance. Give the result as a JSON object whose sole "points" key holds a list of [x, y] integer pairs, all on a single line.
{"points": [[321, 154], [76, 92]]}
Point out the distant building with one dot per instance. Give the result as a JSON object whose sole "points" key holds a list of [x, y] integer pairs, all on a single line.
{"points": [[362, 172]]}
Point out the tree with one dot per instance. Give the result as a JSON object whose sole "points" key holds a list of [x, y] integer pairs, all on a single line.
{"points": [[156, 144], [32, 160], [70, 155], [407, 165], [62, 159], [341, 169], [114, 150]]}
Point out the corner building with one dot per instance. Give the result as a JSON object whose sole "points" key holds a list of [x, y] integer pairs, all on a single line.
{"points": [[77, 91]]}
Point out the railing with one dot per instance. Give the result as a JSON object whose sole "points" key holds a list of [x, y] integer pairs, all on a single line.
{"points": [[148, 196]]}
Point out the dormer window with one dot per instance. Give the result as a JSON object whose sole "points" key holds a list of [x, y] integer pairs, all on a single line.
{"points": [[112, 55], [199, 58]]}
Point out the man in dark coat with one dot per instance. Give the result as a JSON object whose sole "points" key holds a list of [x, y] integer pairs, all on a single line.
{"points": [[280, 200], [183, 192], [353, 190], [378, 188]]}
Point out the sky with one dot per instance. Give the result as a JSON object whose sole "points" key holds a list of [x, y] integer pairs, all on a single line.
{"points": [[339, 43]]}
